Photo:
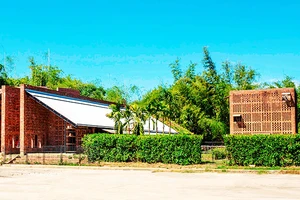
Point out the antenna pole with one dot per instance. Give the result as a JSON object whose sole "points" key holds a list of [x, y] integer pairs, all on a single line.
{"points": [[49, 57], [4, 59]]}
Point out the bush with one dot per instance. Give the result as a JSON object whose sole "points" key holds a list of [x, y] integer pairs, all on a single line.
{"points": [[178, 149], [110, 147], [219, 153], [263, 150]]}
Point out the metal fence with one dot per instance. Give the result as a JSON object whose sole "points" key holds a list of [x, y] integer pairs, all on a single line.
{"points": [[207, 150], [207, 146], [48, 149]]}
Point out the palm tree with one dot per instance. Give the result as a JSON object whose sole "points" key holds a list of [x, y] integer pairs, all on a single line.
{"points": [[127, 115], [116, 115], [157, 111], [150, 110], [139, 118], [167, 101]]}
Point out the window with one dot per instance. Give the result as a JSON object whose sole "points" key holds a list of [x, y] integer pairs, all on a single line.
{"points": [[237, 118], [34, 141]]}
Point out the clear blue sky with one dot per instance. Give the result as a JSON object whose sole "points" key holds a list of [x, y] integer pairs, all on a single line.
{"points": [[133, 42]]}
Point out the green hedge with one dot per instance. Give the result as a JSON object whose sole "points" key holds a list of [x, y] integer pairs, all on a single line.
{"points": [[263, 150], [178, 149], [110, 147]]}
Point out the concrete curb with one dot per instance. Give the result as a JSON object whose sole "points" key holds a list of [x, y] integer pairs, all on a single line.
{"points": [[154, 170]]}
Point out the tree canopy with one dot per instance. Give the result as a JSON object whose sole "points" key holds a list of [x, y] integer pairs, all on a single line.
{"points": [[197, 99]]}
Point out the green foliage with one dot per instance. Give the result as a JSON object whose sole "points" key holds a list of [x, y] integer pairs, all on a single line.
{"points": [[110, 147], [92, 90], [179, 128], [210, 73], [263, 150], [158, 104], [219, 153], [199, 102], [138, 119], [123, 117], [52, 77], [287, 82], [115, 94], [8, 62], [176, 71], [190, 72], [122, 94], [117, 114], [42, 75], [3, 75], [178, 149], [244, 77]]}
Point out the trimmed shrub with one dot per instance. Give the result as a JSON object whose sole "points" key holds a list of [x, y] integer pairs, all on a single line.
{"points": [[263, 150], [219, 153], [110, 147], [178, 149]]}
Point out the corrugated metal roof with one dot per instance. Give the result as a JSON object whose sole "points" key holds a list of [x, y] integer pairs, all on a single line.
{"points": [[81, 112]]}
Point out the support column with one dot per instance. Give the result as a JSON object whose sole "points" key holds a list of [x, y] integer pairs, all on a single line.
{"points": [[65, 136], [231, 113], [3, 96], [22, 120]]}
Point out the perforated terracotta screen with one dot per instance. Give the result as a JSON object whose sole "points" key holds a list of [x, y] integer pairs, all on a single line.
{"points": [[263, 111]]}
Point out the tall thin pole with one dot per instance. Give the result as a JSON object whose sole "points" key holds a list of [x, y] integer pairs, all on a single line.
{"points": [[48, 57], [3, 56], [4, 59]]}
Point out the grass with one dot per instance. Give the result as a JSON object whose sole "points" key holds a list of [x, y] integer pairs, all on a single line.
{"points": [[208, 165]]}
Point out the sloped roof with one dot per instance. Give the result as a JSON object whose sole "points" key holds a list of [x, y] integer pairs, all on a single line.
{"points": [[81, 112]]}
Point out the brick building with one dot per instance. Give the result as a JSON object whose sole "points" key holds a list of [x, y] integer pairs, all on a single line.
{"points": [[269, 111], [33, 118]]}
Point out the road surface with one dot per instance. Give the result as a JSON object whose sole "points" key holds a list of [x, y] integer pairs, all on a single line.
{"points": [[47, 183]]}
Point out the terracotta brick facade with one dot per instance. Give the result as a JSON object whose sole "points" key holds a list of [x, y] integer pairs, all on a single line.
{"points": [[270, 111], [28, 126], [10, 118]]}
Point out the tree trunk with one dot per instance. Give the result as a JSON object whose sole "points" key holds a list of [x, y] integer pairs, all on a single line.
{"points": [[163, 125], [156, 125], [170, 127], [128, 128], [149, 126]]}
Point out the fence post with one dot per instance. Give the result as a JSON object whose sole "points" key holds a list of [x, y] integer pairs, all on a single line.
{"points": [[26, 157], [61, 156], [43, 152]]}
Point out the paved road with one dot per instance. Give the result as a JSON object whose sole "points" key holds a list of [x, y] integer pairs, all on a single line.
{"points": [[69, 183]]}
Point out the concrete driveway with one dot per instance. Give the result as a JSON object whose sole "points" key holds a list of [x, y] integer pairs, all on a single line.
{"points": [[45, 183]]}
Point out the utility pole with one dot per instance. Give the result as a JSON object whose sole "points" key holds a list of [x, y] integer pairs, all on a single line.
{"points": [[48, 57], [3, 56], [4, 59]]}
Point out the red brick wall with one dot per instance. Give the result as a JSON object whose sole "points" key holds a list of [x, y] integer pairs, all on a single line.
{"points": [[40, 121], [69, 91], [263, 111], [10, 117], [81, 132], [48, 127], [56, 127], [36, 122], [24, 119]]}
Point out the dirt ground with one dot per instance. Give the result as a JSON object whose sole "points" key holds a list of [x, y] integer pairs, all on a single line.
{"points": [[46, 182]]}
